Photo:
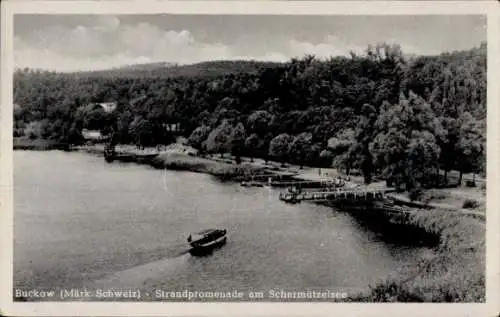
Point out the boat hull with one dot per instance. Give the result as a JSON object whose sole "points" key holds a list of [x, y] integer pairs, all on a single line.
{"points": [[251, 184], [208, 248]]}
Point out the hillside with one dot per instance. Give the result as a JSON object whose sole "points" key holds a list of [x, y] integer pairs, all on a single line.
{"points": [[378, 112], [169, 70]]}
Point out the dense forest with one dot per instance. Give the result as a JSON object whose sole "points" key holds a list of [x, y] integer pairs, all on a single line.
{"points": [[404, 119]]}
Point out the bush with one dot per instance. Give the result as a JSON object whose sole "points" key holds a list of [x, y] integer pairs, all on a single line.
{"points": [[416, 193], [453, 272], [395, 291], [470, 183], [429, 196], [219, 168], [470, 204]]}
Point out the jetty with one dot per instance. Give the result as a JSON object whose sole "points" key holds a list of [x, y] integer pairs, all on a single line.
{"points": [[339, 194], [286, 180], [112, 154], [274, 177], [335, 182]]}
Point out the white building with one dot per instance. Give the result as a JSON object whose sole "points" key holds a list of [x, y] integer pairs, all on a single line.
{"points": [[106, 106], [92, 135]]}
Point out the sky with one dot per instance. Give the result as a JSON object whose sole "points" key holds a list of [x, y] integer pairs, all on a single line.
{"points": [[88, 42]]}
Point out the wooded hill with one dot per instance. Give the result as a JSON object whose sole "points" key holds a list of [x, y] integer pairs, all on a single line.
{"points": [[380, 112], [168, 70]]}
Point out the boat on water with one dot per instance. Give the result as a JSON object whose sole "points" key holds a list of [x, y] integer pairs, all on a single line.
{"points": [[206, 241], [109, 155], [290, 198], [251, 184]]}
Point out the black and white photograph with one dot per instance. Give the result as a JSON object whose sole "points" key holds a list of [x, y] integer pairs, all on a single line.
{"points": [[257, 158]]}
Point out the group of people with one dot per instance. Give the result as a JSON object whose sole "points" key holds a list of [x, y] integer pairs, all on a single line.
{"points": [[339, 177], [332, 184]]}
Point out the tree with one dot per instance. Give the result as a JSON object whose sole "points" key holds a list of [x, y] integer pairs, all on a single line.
{"points": [[422, 157], [326, 158], [313, 154], [300, 147], [341, 142], [471, 145], [74, 135], [340, 146], [95, 119], [258, 122], [123, 126], [217, 140], [389, 151], [449, 145], [198, 136], [266, 142], [237, 141], [253, 144], [142, 132], [403, 130], [19, 113], [278, 147], [364, 133]]}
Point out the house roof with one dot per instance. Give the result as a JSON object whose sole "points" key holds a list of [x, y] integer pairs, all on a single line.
{"points": [[106, 106], [91, 134]]}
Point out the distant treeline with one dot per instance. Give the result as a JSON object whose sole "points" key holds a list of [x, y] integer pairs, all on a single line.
{"points": [[386, 115]]}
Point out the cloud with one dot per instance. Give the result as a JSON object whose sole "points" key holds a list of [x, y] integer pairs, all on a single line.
{"points": [[28, 56], [107, 23], [71, 42], [106, 43], [330, 46]]}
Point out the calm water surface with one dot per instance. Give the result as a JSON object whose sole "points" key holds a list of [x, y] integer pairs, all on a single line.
{"points": [[80, 222]]}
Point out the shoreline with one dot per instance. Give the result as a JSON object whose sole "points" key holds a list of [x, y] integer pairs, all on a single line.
{"points": [[25, 144], [178, 161], [448, 274]]}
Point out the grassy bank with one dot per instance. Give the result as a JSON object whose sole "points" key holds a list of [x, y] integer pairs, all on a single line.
{"points": [[37, 144], [454, 272], [222, 170], [178, 158]]}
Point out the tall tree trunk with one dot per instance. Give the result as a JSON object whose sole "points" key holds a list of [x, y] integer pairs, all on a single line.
{"points": [[460, 178], [368, 178], [438, 181]]}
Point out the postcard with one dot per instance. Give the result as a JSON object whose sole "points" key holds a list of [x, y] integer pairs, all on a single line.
{"points": [[220, 158]]}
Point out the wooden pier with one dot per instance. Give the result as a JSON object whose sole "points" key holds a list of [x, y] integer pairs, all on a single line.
{"points": [[275, 177], [308, 183], [110, 155], [339, 194]]}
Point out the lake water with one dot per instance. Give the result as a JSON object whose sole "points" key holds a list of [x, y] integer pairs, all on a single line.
{"points": [[80, 222]]}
